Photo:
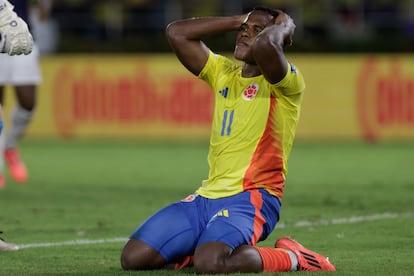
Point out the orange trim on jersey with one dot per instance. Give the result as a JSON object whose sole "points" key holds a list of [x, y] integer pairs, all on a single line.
{"points": [[257, 201], [265, 169]]}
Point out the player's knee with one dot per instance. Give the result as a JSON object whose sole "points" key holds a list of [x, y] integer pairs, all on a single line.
{"points": [[131, 261], [137, 255], [28, 106], [208, 265], [127, 262]]}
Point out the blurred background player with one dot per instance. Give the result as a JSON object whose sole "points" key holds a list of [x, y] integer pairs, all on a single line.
{"points": [[23, 73], [15, 39]]}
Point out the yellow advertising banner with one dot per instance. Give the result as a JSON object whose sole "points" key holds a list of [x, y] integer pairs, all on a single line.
{"points": [[368, 97], [349, 97]]}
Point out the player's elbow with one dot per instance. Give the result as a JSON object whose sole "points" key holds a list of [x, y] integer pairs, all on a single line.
{"points": [[172, 31], [169, 30], [172, 35]]}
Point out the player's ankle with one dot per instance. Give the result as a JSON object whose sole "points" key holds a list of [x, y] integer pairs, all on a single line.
{"points": [[293, 259]]}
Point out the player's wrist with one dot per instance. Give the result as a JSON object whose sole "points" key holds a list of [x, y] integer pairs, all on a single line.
{"points": [[239, 20]]}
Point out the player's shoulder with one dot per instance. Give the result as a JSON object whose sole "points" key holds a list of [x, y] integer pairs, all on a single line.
{"points": [[293, 83], [220, 64], [226, 64], [293, 71]]}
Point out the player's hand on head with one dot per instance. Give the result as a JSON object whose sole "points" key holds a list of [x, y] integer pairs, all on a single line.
{"points": [[16, 38], [286, 21]]}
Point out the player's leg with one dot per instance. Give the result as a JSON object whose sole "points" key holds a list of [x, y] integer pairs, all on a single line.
{"points": [[25, 77], [21, 117], [168, 235], [22, 114], [2, 178], [227, 243], [138, 255], [218, 257], [308, 260], [1, 95]]}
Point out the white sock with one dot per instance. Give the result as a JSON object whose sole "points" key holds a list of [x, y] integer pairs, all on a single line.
{"points": [[293, 259], [20, 119]]}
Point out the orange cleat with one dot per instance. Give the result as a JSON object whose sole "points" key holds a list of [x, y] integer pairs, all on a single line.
{"points": [[17, 168], [2, 181], [307, 259]]}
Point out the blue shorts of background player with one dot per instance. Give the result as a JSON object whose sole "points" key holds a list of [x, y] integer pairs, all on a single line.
{"points": [[178, 229]]}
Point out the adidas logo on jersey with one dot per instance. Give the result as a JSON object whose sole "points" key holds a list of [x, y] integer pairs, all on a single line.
{"points": [[224, 92]]}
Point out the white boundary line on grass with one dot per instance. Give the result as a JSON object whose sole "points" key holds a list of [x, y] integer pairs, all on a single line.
{"points": [[349, 220], [302, 223], [73, 242]]}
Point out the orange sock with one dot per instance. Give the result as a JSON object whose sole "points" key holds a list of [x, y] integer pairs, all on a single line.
{"points": [[274, 259]]}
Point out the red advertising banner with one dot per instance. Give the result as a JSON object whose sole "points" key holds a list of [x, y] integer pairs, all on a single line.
{"points": [[385, 99]]}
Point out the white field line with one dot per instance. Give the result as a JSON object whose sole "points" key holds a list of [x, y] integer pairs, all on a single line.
{"points": [[73, 242], [350, 220], [302, 223]]}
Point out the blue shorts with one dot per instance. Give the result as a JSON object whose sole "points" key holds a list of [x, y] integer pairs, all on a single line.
{"points": [[178, 229]]}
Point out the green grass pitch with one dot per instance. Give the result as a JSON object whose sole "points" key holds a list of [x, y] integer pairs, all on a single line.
{"points": [[353, 202]]}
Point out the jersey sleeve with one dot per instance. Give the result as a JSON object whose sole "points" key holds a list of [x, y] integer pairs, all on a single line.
{"points": [[208, 73], [293, 83], [215, 68]]}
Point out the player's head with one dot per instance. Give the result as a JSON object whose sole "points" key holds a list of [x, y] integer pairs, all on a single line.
{"points": [[273, 12], [256, 20]]}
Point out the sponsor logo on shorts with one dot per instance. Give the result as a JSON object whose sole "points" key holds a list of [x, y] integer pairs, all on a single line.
{"points": [[189, 198], [223, 213]]}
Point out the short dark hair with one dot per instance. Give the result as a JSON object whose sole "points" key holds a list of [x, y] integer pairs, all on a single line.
{"points": [[272, 12]]}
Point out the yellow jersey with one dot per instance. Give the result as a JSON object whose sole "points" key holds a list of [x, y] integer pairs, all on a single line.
{"points": [[253, 129]]}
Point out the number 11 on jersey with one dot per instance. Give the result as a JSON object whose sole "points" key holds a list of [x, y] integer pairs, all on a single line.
{"points": [[227, 122]]}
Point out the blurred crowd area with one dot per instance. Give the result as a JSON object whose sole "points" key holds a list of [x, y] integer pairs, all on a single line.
{"points": [[138, 25]]}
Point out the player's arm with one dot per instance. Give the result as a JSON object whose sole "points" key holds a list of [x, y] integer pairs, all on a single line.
{"points": [[185, 37], [15, 37], [268, 48]]}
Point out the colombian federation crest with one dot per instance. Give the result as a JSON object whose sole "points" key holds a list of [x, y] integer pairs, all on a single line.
{"points": [[250, 92]]}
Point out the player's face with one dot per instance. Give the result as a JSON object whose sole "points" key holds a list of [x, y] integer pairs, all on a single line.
{"points": [[255, 22]]}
